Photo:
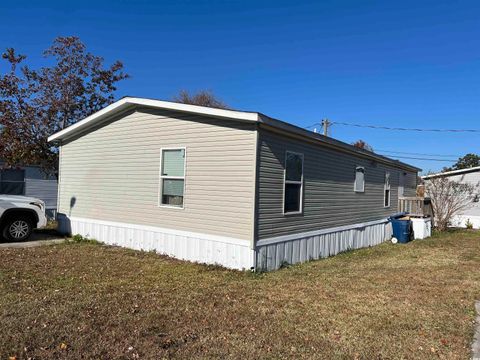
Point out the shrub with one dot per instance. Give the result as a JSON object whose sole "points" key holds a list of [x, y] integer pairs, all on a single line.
{"points": [[469, 224], [77, 238]]}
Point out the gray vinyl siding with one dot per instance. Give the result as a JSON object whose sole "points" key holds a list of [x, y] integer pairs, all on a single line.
{"points": [[40, 186], [46, 190], [329, 199], [410, 184], [111, 173]]}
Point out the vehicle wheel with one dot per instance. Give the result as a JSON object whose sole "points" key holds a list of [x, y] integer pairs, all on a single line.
{"points": [[17, 229]]}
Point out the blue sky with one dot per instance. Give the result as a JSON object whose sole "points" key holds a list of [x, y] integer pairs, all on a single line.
{"points": [[405, 63]]}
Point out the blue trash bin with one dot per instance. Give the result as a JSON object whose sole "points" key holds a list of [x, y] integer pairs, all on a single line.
{"points": [[402, 229]]}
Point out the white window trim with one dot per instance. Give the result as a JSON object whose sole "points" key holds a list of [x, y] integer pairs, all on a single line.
{"points": [[285, 181], [389, 188], [161, 177], [355, 180]]}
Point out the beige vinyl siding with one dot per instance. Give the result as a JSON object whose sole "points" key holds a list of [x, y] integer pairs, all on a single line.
{"points": [[112, 173], [329, 196]]}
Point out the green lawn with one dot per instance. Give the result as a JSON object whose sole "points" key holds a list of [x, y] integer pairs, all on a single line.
{"points": [[90, 301]]}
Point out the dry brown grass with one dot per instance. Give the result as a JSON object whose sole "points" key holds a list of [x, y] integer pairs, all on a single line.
{"points": [[390, 301]]}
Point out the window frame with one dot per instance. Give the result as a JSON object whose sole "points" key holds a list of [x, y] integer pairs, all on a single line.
{"points": [[162, 177], [387, 187], [285, 182], [355, 180]]}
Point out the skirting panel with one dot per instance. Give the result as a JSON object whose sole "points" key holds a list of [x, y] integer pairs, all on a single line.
{"points": [[201, 248], [462, 220], [271, 254]]}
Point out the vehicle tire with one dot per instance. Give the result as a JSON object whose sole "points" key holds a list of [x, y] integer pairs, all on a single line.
{"points": [[17, 228]]}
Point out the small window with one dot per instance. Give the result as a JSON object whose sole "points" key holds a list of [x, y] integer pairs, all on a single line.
{"points": [[172, 177], [293, 186], [359, 185], [386, 191]]}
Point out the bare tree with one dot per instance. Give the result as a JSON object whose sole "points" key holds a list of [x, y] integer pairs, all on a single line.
{"points": [[202, 98], [363, 145], [449, 198]]}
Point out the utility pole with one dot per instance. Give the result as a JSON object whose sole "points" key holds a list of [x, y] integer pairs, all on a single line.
{"points": [[326, 124]]}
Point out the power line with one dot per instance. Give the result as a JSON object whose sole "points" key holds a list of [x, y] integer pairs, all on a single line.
{"points": [[414, 153], [405, 129], [419, 158], [395, 128], [313, 125]]}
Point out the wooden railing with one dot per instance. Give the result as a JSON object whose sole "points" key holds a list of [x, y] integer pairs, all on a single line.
{"points": [[413, 205]]}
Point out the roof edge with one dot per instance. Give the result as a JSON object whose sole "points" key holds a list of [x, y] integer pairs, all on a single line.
{"points": [[452, 172], [126, 102], [288, 128], [254, 117]]}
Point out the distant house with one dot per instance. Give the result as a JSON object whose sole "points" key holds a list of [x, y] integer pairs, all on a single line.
{"points": [[29, 181], [235, 188], [465, 176]]}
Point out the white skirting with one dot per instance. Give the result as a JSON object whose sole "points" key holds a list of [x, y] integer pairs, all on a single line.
{"points": [[273, 253], [269, 254], [461, 221], [209, 249]]}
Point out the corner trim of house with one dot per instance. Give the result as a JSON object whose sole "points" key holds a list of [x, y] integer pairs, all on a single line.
{"points": [[278, 239]]}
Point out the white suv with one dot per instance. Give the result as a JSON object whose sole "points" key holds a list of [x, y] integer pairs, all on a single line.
{"points": [[19, 215]]}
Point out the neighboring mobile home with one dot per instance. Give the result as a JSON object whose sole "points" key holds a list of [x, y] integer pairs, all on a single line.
{"points": [[29, 181], [234, 188], [464, 176]]}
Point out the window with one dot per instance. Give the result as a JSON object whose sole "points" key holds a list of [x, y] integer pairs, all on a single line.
{"points": [[386, 190], [359, 185], [172, 177], [293, 187]]}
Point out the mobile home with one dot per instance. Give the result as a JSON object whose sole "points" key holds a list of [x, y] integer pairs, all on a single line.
{"points": [[234, 188], [464, 176], [29, 181]]}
